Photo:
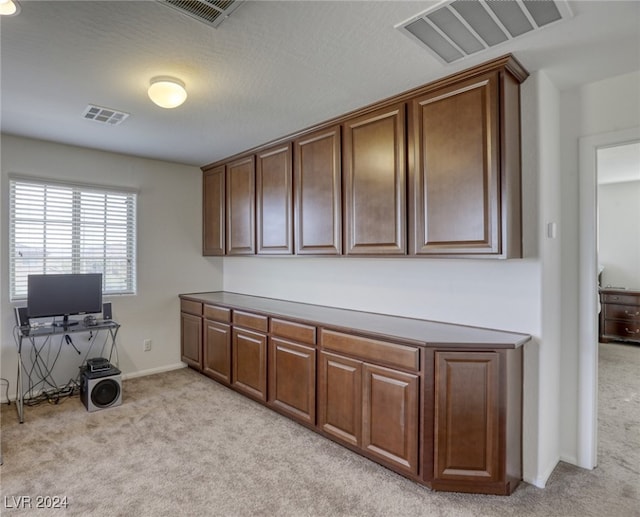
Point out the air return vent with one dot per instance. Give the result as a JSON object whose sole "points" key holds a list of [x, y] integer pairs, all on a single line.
{"points": [[211, 12], [107, 116], [455, 29]]}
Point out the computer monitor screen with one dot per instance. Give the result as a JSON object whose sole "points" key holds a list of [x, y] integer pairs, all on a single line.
{"points": [[64, 295]]}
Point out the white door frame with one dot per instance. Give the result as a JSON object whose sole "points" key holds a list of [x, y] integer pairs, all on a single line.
{"points": [[588, 290]]}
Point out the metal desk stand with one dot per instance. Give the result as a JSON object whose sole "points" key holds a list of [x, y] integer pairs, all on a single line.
{"points": [[31, 334]]}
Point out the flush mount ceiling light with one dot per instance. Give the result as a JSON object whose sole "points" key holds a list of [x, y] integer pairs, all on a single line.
{"points": [[9, 8], [167, 92]]}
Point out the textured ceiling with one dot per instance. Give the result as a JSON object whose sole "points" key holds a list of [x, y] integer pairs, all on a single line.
{"points": [[270, 69]]}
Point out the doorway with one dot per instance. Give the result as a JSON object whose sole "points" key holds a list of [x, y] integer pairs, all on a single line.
{"points": [[588, 289], [618, 173]]}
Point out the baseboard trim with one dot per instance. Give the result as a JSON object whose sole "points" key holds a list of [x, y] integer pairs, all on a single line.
{"points": [[572, 460], [153, 371], [541, 480]]}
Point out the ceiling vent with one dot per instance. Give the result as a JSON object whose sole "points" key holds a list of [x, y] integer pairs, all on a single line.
{"points": [[106, 116], [211, 12], [455, 29]]}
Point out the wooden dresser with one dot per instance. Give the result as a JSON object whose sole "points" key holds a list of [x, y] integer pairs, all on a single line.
{"points": [[619, 315]]}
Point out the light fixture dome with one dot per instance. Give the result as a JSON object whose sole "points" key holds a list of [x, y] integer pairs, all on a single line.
{"points": [[167, 92], [9, 7]]}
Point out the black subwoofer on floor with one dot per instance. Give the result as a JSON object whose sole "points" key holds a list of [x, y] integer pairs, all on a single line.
{"points": [[101, 389]]}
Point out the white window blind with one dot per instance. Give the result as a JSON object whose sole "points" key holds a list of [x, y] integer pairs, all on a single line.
{"points": [[60, 228]]}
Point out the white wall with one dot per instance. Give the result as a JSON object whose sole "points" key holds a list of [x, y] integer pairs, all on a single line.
{"points": [[169, 256], [619, 233], [596, 108], [549, 220]]}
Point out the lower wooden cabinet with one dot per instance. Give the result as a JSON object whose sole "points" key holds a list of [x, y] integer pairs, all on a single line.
{"points": [[292, 379], [466, 416], [217, 351], [390, 416], [446, 416], [249, 363], [372, 408], [191, 339], [477, 421], [340, 398]]}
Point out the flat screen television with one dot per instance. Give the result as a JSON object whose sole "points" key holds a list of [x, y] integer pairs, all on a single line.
{"points": [[64, 295]]}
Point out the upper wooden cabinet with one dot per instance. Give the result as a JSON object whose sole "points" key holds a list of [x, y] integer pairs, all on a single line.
{"points": [[375, 182], [434, 171], [240, 203], [213, 203], [465, 169], [317, 178], [274, 201]]}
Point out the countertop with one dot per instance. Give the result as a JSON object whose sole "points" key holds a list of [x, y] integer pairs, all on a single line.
{"points": [[417, 332]]}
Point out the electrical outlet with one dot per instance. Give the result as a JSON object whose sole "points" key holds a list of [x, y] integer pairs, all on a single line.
{"points": [[147, 345]]}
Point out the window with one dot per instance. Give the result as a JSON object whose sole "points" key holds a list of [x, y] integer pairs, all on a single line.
{"points": [[63, 228]]}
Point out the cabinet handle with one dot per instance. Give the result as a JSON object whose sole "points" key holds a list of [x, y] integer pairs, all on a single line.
{"points": [[637, 313], [636, 331]]}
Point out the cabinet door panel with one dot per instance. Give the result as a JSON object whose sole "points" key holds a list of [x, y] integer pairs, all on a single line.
{"points": [[317, 174], [375, 184], [191, 339], [213, 210], [455, 181], [241, 194], [274, 201], [250, 363], [466, 416], [390, 416], [292, 379], [217, 351], [340, 398]]}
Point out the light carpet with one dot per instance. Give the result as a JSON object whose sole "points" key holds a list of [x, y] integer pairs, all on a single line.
{"points": [[182, 444]]}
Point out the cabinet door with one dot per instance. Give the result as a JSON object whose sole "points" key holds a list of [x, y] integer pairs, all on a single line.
{"points": [[375, 183], [455, 197], [213, 211], [191, 340], [340, 398], [217, 351], [467, 417], [317, 178], [274, 201], [241, 199], [390, 416], [292, 379], [249, 360]]}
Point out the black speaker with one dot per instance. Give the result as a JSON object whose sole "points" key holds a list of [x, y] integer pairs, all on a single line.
{"points": [[106, 311], [22, 317], [101, 389]]}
